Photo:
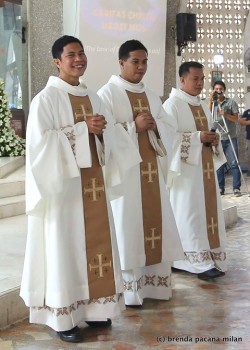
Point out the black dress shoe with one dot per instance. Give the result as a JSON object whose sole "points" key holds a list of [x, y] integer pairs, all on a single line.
{"points": [[213, 273], [71, 336], [107, 323], [139, 306], [174, 269]]}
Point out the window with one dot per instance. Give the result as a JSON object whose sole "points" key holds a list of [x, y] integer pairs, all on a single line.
{"points": [[11, 50]]}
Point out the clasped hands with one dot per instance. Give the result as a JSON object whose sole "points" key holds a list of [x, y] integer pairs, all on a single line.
{"points": [[96, 124], [209, 137], [144, 121]]}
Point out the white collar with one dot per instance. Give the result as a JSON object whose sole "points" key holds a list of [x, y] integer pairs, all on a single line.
{"points": [[79, 90], [117, 80], [193, 100]]}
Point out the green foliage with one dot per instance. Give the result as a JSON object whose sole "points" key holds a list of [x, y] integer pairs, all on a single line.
{"points": [[11, 145]]}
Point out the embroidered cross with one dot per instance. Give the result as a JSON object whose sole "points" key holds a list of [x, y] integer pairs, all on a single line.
{"points": [[208, 171], [186, 136], [128, 285], [149, 172], [94, 189], [62, 311], [153, 238], [212, 226], [82, 113], [139, 284], [162, 281], [140, 107], [79, 303], [100, 265], [109, 300], [218, 256], [199, 117], [94, 301], [149, 280], [72, 308]]}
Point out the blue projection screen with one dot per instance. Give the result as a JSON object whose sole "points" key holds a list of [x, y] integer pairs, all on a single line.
{"points": [[105, 24]]}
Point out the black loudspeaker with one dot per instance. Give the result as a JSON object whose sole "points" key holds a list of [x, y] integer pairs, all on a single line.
{"points": [[185, 27]]}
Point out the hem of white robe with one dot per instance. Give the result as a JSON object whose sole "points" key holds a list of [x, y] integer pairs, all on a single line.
{"points": [[66, 318], [197, 262], [152, 281]]}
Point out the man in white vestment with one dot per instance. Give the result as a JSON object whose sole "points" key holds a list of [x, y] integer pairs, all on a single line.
{"points": [[194, 194], [147, 236], [72, 269]]}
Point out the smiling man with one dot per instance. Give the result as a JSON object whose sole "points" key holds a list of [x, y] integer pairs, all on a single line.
{"points": [[147, 236], [71, 270], [194, 194]]}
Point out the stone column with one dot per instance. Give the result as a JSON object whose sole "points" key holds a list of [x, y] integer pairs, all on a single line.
{"points": [[170, 57], [45, 19]]}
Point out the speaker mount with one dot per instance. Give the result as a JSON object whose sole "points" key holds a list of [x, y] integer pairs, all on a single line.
{"points": [[185, 30], [181, 46]]}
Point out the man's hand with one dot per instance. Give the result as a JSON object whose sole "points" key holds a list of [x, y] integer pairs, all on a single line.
{"points": [[145, 121], [213, 96], [216, 140], [96, 124], [232, 117], [209, 137]]}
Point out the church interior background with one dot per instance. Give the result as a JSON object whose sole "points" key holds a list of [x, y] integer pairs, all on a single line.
{"points": [[222, 27], [220, 30]]}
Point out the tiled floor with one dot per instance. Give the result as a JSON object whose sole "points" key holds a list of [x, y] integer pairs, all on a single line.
{"points": [[12, 246], [201, 315]]}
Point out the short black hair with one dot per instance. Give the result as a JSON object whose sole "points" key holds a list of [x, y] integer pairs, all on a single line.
{"points": [[59, 44], [220, 82], [185, 66], [129, 46]]}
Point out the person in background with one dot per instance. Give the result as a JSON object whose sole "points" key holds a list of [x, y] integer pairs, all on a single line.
{"points": [[147, 235], [194, 194], [245, 120], [72, 270], [227, 108]]}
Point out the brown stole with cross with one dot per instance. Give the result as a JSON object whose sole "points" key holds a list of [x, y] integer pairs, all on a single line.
{"points": [[97, 233], [208, 180], [150, 188]]}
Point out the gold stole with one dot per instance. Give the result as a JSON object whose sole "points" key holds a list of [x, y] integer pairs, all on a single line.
{"points": [[150, 188], [208, 180], [97, 233]]}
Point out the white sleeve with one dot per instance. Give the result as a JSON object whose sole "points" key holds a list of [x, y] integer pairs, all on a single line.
{"points": [[78, 138], [50, 159], [187, 146], [122, 140]]}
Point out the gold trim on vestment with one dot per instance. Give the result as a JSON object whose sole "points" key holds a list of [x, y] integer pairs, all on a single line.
{"points": [[208, 180], [97, 232], [150, 188]]}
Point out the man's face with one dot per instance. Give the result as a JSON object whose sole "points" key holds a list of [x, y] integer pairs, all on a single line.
{"points": [[192, 82], [72, 64], [220, 90], [134, 68]]}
